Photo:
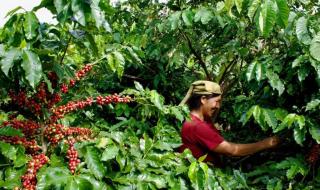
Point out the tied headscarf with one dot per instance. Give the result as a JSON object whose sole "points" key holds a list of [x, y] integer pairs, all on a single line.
{"points": [[202, 87]]}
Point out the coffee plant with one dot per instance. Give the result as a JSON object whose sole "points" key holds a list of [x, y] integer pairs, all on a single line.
{"points": [[91, 102]]}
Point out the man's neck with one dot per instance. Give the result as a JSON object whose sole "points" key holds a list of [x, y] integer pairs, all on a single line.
{"points": [[198, 114]]}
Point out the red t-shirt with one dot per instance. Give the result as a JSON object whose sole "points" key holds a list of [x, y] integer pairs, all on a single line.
{"points": [[201, 137]]}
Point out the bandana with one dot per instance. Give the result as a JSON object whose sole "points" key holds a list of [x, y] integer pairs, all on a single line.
{"points": [[201, 87]]}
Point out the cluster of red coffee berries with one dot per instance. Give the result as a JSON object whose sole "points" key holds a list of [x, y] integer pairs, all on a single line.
{"points": [[28, 127], [79, 75], [72, 155], [30, 145], [29, 179], [313, 155], [112, 99], [56, 132], [60, 111], [82, 72]]}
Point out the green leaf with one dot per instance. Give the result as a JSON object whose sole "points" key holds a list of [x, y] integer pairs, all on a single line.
{"points": [[253, 8], [228, 4], [312, 105], [8, 150], [274, 184], [119, 63], [7, 61], [299, 135], [247, 115], [156, 99], [174, 20], [77, 7], [32, 66], [52, 176], [267, 17], [30, 25], [286, 123], [110, 153], [314, 130], [2, 51], [270, 118], [283, 13], [240, 178], [59, 5], [192, 172], [251, 71], [138, 86], [177, 113], [315, 47], [302, 31], [98, 15], [275, 81], [12, 178], [239, 5], [204, 15], [303, 73], [187, 17], [13, 11], [260, 71], [9, 131], [298, 61], [92, 159], [21, 158]]}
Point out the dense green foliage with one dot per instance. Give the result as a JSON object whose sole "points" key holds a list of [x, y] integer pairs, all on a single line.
{"points": [[264, 53]]}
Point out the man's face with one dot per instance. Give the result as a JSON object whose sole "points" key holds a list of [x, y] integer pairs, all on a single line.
{"points": [[210, 106]]}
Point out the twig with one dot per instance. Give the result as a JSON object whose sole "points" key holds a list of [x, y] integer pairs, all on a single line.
{"points": [[196, 54]]}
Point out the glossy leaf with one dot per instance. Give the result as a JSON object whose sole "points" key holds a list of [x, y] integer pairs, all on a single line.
{"points": [[312, 105], [9, 131], [174, 20], [32, 67], [253, 8], [8, 59], [204, 15], [8, 150], [283, 12], [299, 135], [275, 81], [30, 25], [270, 118], [315, 47], [77, 7], [239, 5], [302, 31], [93, 161], [98, 15], [109, 153], [57, 176], [251, 71], [267, 17], [187, 17], [119, 63], [315, 132]]}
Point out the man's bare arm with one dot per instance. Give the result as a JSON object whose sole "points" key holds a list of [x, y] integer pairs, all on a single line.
{"points": [[234, 149]]}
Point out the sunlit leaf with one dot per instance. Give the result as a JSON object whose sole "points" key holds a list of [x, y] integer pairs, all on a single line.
{"points": [[302, 31], [32, 67], [315, 47], [8, 59], [30, 25]]}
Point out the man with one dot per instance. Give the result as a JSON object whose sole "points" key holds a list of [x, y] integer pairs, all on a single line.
{"points": [[200, 135]]}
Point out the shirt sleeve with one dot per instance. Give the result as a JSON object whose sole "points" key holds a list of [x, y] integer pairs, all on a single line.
{"points": [[208, 138]]}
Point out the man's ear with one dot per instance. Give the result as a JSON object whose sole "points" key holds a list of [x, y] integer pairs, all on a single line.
{"points": [[203, 99]]}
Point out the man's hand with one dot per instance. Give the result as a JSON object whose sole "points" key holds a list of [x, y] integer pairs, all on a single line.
{"points": [[271, 142]]}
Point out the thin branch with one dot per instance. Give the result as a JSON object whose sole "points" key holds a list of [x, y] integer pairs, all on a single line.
{"points": [[65, 51], [196, 54]]}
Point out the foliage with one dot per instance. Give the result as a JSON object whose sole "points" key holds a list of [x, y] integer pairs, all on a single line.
{"points": [[264, 54]]}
